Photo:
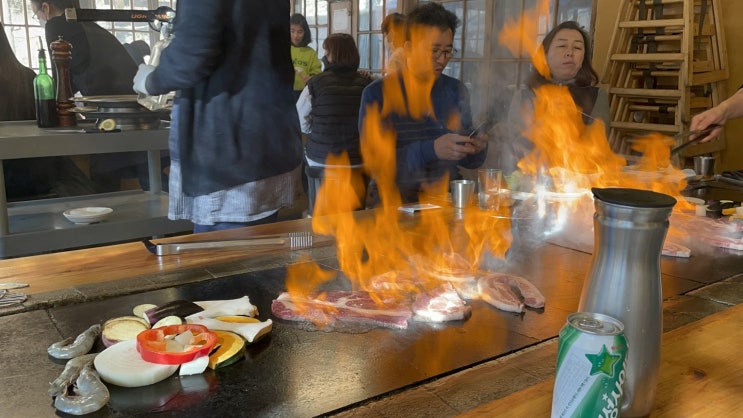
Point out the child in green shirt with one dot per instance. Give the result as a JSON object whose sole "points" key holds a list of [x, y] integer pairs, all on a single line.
{"points": [[304, 58]]}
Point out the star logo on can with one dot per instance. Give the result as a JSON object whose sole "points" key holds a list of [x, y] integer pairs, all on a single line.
{"points": [[603, 362]]}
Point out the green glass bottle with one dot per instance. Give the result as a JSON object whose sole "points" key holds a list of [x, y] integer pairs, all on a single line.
{"points": [[44, 93]]}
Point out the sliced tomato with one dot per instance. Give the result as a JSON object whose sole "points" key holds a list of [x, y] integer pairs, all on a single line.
{"points": [[152, 343]]}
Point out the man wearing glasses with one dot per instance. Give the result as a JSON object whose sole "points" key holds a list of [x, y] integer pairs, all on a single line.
{"points": [[428, 111]]}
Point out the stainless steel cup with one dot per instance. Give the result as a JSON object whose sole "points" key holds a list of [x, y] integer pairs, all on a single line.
{"points": [[704, 166], [462, 192]]}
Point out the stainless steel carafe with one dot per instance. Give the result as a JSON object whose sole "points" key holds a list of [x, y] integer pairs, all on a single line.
{"points": [[623, 281]]}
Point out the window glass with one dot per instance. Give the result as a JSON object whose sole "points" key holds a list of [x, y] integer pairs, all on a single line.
{"points": [[364, 50], [457, 7], [453, 69], [13, 13], [390, 7], [23, 31], [364, 15], [377, 13], [474, 30], [577, 10], [310, 12], [371, 13], [322, 12], [377, 51], [322, 33]]}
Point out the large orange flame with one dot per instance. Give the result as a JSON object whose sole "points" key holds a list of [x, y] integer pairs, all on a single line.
{"points": [[570, 154], [381, 243]]}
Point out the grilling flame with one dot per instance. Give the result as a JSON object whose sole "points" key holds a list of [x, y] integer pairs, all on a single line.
{"points": [[570, 155], [380, 244]]}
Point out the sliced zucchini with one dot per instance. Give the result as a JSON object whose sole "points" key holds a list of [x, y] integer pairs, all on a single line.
{"points": [[168, 320]]}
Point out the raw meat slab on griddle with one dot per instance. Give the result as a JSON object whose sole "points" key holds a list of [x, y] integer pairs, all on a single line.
{"points": [[342, 307], [674, 249], [500, 295], [441, 304], [495, 288]]}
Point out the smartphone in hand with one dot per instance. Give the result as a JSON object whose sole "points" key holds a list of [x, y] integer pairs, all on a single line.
{"points": [[482, 128]]}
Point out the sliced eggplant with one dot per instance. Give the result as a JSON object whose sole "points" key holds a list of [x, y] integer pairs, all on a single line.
{"points": [[121, 329], [140, 310]]}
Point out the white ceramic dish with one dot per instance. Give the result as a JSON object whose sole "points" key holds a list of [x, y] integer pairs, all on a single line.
{"points": [[694, 200], [89, 215]]}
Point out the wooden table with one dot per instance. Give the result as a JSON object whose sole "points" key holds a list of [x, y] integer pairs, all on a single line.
{"points": [[701, 375], [68, 269]]}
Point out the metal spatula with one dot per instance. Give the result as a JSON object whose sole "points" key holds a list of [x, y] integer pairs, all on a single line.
{"points": [[291, 240]]}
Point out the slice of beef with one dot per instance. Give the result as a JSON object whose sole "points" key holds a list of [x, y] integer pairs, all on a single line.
{"points": [[499, 294], [723, 242], [673, 249], [440, 305], [532, 296], [342, 306]]}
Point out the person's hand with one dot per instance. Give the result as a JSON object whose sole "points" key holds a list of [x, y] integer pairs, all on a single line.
{"points": [[140, 79], [300, 72], [478, 142], [701, 121], [453, 147]]}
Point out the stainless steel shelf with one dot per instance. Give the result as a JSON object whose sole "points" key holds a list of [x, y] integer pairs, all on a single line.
{"points": [[24, 140], [39, 226]]}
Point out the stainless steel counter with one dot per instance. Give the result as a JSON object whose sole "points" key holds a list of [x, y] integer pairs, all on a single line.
{"points": [[38, 226]]}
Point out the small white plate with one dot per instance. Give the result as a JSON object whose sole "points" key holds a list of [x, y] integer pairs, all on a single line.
{"points": [[84, 216], [694, 200]]}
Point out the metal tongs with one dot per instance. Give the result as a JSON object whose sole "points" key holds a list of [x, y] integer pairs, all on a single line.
{"points": [[291, 240], [700, 135]]}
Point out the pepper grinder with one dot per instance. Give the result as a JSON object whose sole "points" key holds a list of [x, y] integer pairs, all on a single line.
{"points": [[61, 55]]}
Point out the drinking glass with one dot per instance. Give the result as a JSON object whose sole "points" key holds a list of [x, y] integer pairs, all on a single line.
{"points": [[489, 188]]}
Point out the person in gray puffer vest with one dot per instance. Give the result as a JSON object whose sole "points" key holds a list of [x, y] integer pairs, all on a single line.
{"points": [[329, 112]]}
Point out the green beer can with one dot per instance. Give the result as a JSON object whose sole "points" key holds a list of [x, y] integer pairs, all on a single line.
{"points": [[591, 360]]}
